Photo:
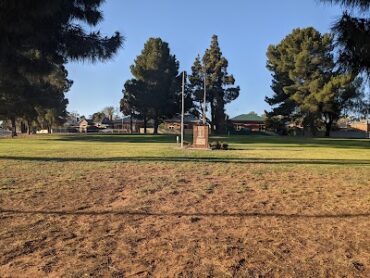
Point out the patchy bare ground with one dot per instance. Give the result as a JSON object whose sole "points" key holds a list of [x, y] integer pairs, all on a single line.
{"points": [[183, 220]]}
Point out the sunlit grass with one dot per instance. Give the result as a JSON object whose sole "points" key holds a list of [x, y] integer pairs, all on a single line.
{"points": [[116, 147]]}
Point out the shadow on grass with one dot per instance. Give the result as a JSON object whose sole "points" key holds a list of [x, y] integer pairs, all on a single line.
{"points": [[286, 142], [277, 141], [192, 160], [118, 138], [182, 214]]}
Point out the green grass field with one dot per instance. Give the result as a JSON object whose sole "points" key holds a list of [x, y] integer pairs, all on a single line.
{"points": [[138, 206], [141, 148]]}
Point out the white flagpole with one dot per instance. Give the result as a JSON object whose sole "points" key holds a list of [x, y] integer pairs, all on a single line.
{"points": [[182, 109], [204, 98]]}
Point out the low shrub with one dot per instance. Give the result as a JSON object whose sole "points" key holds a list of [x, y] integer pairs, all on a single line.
{"points": [[216, 145]]}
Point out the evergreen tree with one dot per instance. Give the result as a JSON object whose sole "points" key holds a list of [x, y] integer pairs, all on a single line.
{"points": [[155, 86], [98, 117], [190, 106], [50, 102], [353, 36], [37, 35], [359, 105], [219, 84], [283, 107], [196, 80], [306, 83], [26, 100], [136, 101]]}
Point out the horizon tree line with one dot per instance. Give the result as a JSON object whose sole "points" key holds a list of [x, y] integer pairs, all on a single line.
{"points": [[326, 80], [312, 88], [154, 92], [38, 39]]}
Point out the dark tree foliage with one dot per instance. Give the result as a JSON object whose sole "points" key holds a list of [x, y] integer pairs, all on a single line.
{"points": [[190, 106], [49, 101], [362, 4], [157, 69], [219, 84], [306, 84], [352, 34], [282, 106], [30, 101], [55, 30], [155, 91], [36, 36], [135, 101], [196, 80], [98, 117]]}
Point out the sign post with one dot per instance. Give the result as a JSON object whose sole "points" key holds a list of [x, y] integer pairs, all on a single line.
{"points": [[182, 109]]}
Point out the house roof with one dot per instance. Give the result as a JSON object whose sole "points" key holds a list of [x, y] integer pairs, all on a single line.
{"points": [[187, 118], [106, 121], [89, 122], [251, 117], [126, 119]]}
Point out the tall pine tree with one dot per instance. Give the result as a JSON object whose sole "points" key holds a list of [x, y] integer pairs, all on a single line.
{"points": [[219, 84], [352, 34], [153, 92], [306, 84], [36, 36], [135, 102]]}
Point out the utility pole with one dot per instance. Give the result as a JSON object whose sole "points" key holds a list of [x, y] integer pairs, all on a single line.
{"points": [[204, 98], [182, 109]]}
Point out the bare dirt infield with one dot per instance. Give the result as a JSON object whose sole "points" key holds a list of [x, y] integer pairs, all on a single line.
{"points": [[171, 219]]}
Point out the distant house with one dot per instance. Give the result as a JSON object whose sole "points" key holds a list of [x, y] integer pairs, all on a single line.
{"points": [[250, 121], [174, 123], [124, 124], [361, 126], [87, 125], [105, 123]]}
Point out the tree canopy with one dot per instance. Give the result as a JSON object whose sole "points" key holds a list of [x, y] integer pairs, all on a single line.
{"points": [[154, 91], [38, 36], [219, 84], [352, 34], [307, 85]]}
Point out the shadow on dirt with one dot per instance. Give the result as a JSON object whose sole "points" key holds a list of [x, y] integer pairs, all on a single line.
{"points": [[182, 214], [347, 162]]}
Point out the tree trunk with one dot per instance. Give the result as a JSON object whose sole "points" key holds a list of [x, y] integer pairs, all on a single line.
{"points": [[145, 124], [213, 120], [328, 129], [130, 124], [155, 123], [23, 127], [14, 127], [220, 117], [29, 126], [313, 128], [155, 131], [309, 124], [328, 126]]}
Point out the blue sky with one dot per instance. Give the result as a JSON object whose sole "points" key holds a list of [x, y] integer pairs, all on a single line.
{"points": [[245, 29]]}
